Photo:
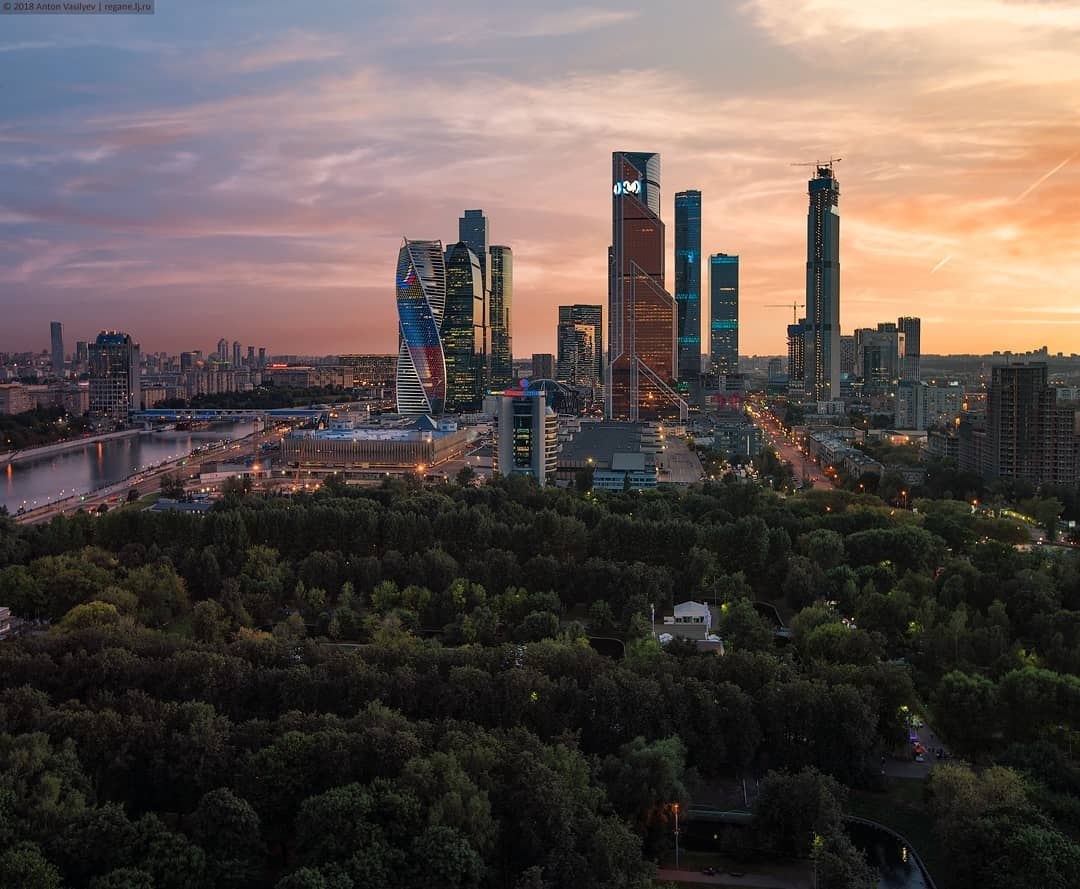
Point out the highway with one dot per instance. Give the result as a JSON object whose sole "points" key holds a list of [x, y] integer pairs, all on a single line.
{"points": [[788, 450]]}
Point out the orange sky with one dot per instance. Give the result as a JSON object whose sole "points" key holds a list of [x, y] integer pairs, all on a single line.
{"points": [[252, 178]]}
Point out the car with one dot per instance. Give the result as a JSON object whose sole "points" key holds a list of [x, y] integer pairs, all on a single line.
{"points": [[920, 758], [709, 871]]}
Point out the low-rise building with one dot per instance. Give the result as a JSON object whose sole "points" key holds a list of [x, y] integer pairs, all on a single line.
{"points": [[15, 398]]}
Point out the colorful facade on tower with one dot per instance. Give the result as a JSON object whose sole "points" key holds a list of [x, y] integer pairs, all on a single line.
{"points": [[421, 300]]}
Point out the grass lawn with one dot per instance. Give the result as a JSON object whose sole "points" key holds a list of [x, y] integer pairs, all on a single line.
{"points": [[142, 503], [901, 808]]}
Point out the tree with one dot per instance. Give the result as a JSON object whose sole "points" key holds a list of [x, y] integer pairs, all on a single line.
{"points": [[466, 476], [965, 710], [743, 628], [227, 828], [22, 866], [123, 878], [172, 486], [791, 809]]}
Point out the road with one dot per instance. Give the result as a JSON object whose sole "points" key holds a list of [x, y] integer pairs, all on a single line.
{"points": [[792, 879], [148, 481], [788, 450]]}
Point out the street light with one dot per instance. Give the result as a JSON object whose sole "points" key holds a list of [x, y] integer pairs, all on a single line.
{"points": [[675, 806]]}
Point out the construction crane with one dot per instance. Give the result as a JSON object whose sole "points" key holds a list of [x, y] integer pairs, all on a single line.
{"points": [[829, 163], [793, 306]]}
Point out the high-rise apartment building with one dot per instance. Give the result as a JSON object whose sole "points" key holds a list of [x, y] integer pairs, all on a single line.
{"points": [[911, 327], [82, 356], [796, 354], [236, 353], [1028, 435], [847, 355], [222, 351], [56, 341], [251, 357], [580, 346], [526, 436], [262, 357], [823, 286], [115, 387], [500, 304], [688, 283], [642, 360], [463, 331], [724, 313], [421, 299], [543, 366]]}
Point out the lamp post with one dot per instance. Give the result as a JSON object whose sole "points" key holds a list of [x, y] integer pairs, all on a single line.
{"points": [[675, 806]]}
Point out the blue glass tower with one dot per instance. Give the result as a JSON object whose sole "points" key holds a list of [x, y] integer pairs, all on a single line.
{"points": [[688, 282], [724, 313]]}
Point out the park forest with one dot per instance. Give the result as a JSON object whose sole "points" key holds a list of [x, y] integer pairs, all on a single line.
{"points": [[394, 687]]}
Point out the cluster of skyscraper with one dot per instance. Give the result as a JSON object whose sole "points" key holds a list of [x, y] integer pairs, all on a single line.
{"points": [[454, 312], [654, 340]]}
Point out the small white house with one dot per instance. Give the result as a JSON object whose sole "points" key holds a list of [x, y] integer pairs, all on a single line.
{"points": [[692, 613]]}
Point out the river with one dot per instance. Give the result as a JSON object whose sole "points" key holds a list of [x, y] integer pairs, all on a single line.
{"points": [[80, 470]]}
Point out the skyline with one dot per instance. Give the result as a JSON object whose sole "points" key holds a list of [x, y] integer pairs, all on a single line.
{"points": [[220, 173]]}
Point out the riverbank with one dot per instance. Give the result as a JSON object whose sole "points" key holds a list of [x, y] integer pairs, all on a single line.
{"points": [[20, 456]]}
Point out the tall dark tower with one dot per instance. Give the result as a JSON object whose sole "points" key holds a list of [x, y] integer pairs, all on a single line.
{"points": [[641, 313], [912, 330], [823, 286], [463, 329], [688, 282], [500, 306], [724, 313]]}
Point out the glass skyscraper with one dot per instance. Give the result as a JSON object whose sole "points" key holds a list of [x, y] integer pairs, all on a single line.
{"points": [[421, 300], [580, 346], [500, 303], [56, 337], [688, 282], [463, 334], [823, 286], [724, 313], [642, 360], [473, 233], [912, 330], [115, 381]]}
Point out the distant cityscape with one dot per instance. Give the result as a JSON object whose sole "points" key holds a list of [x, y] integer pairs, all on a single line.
{"points": [[641, 361]]}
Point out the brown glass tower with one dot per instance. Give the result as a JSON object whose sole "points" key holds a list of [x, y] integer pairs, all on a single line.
{"points": [[641, 313]]}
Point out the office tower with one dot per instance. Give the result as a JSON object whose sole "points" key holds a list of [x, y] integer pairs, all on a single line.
{"points": [[114, 376], [580, 346], [796, 353], [823, 286], [463, 329], [847, 355], [56, 338], [421, 299], [251, 357], [688, 282], [543, 366], [776, 369], [642, 358], [724, 313], [878, 357], [187, 361], [500, 303], [526, 436], [82, 356], [236, 347], [262, 356], [473, 233], [912, 330], [1028, 435], [222, 351]]}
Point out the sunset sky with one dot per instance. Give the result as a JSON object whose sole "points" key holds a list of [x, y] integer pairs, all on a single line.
{"points": [[247, 169]]}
